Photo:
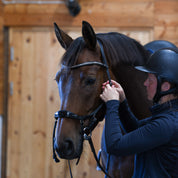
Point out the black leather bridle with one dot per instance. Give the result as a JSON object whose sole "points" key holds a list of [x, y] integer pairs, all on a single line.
{"points": [[86, 131]]}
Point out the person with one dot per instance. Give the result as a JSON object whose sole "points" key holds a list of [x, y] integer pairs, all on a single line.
{"points": [[155, 45], [153, 140]]}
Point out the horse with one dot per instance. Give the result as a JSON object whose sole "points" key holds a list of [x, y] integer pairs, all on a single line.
{"points": [[89, 61]]}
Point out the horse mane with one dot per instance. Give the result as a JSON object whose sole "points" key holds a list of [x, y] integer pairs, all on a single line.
{"points": [[119, 48]]}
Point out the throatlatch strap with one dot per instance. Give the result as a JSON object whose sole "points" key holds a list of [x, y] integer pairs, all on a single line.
{"points": [[160, 93], [94, 153]]}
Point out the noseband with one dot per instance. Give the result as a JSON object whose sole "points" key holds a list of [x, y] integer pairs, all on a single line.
{"points": [[86, 131]]}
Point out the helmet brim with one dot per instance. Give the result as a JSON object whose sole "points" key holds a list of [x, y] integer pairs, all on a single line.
{"points": [[144, 69]]}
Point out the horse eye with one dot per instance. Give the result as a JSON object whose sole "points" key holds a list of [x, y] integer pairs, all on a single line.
{"points": [[57, 76], [90, 81]]}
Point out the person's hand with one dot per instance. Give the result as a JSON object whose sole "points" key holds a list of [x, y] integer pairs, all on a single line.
{"points": [[109, 93], [118, 88]]}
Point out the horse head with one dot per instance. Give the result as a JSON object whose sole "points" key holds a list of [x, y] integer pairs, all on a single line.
{"points": [[79, 82]]}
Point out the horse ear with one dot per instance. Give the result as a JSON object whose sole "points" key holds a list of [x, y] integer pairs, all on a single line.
{"points": [[89, 35], [64, 39]]}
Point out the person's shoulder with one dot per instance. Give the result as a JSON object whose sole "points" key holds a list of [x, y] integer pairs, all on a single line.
{"points": [[166, 121]]}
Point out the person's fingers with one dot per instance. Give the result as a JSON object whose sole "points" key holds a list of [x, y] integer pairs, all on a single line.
{"points": [[104, 85], [115, 83], [108, 86]]}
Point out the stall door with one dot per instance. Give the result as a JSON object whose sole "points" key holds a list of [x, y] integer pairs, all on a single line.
{"points": [[32, 101]]}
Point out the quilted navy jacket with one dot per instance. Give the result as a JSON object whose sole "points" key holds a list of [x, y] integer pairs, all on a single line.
{"points": [[154, 140]]}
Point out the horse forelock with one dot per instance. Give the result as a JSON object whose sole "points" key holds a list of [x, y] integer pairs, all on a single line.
{"points": [[71, 55]]}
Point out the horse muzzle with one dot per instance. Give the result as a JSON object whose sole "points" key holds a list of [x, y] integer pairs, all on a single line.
{"points": [[66, 149]]}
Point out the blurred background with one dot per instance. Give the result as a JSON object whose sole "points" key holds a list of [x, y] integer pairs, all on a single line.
{"points": [[29, 58]]}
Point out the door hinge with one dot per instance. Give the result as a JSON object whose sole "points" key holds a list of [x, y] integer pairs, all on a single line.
{"points": [[11, 88], [12, 53]]}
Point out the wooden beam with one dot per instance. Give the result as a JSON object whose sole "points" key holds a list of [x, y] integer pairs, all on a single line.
{"points": [[100, 21], [166, 13], [140, 14], [169, 33], [166, 23]]}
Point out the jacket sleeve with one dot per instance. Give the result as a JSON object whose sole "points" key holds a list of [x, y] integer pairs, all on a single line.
{"points": [[128, 120], [139, 140]]}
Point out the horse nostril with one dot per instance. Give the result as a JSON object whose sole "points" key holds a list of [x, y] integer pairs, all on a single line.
{"points": [[65, 149], [68, 147]]}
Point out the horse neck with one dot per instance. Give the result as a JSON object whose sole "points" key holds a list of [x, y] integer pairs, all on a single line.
{"points": [[132, 82]]}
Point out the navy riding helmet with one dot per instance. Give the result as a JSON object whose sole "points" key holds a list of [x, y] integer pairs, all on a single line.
{"points": [[155, 45], [164, 64]]}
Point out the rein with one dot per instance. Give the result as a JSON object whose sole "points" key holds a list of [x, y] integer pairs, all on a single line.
{"points": [[86, 131]]}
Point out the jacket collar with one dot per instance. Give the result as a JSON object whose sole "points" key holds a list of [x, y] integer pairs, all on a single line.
{"points": [[165, 107]]}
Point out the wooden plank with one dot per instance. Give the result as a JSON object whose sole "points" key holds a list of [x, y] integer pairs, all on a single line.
{"points": [[166, 20], [166, 23], [27, 114], [36, 9], [169, 33], [166, 13], [14, 119], [85, 5], [1, 59], [124, 13], [166, 7], [100, 6], [39, 87], [48, 20]]}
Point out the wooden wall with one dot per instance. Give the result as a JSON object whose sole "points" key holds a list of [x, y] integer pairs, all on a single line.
{"points": [[1, 60], [34, 101], [160, 15]]}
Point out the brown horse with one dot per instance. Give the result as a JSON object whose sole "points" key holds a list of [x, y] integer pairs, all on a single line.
{"points": [[82, 73]]}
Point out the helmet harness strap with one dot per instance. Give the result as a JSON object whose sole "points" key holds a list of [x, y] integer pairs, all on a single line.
{"points": [[160, 93]]}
